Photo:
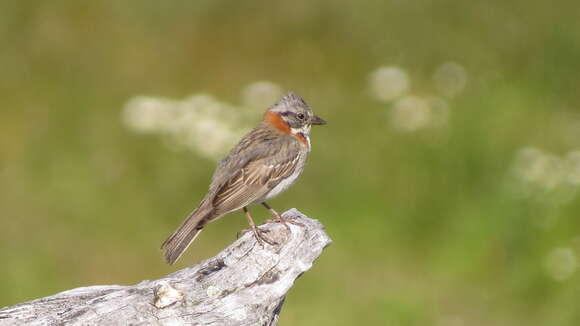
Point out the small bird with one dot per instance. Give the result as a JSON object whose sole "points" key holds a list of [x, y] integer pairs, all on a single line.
{"points": [[265, 162]]}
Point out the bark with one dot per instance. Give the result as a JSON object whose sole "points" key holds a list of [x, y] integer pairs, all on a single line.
{"points": [[245, 284]]}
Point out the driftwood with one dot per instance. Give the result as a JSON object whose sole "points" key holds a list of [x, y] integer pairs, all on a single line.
{"points": [[245, 284]]}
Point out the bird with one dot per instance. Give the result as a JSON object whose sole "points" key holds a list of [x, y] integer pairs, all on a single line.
{"points": [[264, 163]]}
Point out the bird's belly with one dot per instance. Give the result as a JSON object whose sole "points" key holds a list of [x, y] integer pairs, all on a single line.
{"points": [[282, 186], [286, 183]]}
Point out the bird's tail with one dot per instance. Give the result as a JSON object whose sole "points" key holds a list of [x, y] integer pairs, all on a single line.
{"points": [[177, 243]]}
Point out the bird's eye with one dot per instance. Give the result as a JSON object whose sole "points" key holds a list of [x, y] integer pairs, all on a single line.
{"points": [[300, 116]]}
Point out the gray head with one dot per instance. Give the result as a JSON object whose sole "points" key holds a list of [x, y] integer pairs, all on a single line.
{"points": [[295, 113]]}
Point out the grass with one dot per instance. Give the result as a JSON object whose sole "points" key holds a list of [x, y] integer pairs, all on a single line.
{"points": [[427, 229]]}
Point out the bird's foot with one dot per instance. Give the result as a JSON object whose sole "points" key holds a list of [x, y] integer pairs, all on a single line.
{"points": [[281, 219], [260, 235], [285, 221]]}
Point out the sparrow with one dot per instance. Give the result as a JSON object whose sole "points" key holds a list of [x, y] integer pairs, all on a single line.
{"points": [[265, 162]]}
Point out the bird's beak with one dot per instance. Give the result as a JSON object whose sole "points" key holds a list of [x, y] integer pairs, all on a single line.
{"points": [[316, 120]]}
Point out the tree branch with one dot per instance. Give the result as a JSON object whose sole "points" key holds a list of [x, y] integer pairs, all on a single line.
{"points": [[245, 284]]}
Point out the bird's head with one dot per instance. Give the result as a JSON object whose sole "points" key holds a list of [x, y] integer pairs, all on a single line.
{"points": [[291, 115]]}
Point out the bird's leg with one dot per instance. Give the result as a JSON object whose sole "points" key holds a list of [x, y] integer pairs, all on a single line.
{"points": [[258, 233], [279, 219]]}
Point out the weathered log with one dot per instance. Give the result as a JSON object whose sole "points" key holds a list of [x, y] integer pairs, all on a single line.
{"points": [[245, 284]]}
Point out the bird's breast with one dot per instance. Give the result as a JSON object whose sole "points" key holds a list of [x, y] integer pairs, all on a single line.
{"points": [[284, 184]]}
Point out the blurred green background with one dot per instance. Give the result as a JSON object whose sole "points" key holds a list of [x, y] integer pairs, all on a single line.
{"points": [[447, 178]]}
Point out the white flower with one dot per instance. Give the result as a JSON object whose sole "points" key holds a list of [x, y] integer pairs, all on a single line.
{"points": [[536, 167], [546, 176], [146, 114], [450, 78], [410, 113], [200, 123], [573, 161], [561, 263], [389, 83], [261, 95]]}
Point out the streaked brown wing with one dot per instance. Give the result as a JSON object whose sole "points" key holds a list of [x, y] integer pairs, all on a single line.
{"points": [[253, 182]]}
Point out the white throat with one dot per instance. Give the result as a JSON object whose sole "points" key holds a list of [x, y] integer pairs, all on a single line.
{"points": [[304, 130]]}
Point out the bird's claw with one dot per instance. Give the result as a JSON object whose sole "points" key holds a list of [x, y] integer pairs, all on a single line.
{"points": [[260, 235], [285, 220]]}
